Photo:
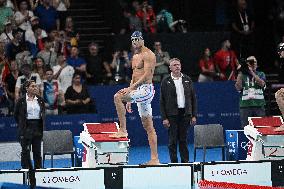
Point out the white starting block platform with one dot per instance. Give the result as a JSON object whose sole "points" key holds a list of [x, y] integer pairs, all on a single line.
{"points": [[99, 148], [264, 142]]}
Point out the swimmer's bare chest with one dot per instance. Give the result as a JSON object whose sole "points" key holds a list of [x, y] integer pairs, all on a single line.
{"points": [[137, 62], [137, 67]]}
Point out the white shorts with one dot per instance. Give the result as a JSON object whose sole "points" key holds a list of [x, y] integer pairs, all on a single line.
{"points": [[143, 96]]}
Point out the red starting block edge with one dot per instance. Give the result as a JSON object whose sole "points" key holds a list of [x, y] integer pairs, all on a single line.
{"points": [[272, 121], [95, 128], [266, 125], [100, 131]]}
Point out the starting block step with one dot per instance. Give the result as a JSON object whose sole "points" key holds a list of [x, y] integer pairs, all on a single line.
{"points": [[99, 148]]}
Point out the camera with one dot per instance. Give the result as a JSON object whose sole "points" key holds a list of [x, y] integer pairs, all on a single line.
{"points": [[250, 62], [245, 63]]}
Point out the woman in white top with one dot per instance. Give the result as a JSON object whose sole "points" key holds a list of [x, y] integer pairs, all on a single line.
{"points": [[63, 73], [22, 17]]}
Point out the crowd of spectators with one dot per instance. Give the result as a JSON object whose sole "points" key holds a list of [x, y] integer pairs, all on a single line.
{"points": [[222, 66], [38, 41], [142, 17]]}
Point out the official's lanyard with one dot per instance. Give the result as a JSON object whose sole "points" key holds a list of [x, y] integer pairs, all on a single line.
{"points": [[242, 20]]}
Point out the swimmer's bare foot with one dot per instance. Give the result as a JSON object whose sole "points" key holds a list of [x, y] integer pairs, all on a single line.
{"points": [[119, 134], [278, 129], [152, 162]]}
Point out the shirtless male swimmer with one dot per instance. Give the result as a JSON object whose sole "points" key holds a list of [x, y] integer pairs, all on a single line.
{"points": [[141, 91]]}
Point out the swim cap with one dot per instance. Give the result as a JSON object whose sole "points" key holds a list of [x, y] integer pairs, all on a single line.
{"points": [[137, 34]]}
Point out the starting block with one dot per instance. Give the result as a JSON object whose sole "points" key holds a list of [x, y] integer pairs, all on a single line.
{"points": [[99, 148], [264, 142]]}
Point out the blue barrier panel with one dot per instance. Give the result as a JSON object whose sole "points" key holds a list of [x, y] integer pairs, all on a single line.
{"points": [[72, 122], [8, 126], [8, 129], [218, 103], [237, 144], [103, 96]]}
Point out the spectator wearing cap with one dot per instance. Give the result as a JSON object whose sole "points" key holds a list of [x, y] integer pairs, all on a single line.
{"points": [[15, 46], [6, 13], [23, 16], [30, 36], [7, 35], [251, 84], [48, 16], [34, 20]]}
